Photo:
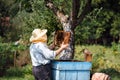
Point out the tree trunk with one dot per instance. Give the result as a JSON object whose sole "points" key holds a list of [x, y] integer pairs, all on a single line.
{"points": [[68, 53]]}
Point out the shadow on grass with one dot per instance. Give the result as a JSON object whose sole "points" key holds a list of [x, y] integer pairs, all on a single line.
{"points": [[112, 73]]}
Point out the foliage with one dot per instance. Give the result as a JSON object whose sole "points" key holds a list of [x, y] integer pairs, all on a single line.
{"points": [[40, 17], [21, 73], [116, 49], [101, 25], [7, 54], [115, 31]]}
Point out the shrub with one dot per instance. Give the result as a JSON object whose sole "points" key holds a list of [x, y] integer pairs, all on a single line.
{"points": [[7, 51], [19, 71], [115, 49]]}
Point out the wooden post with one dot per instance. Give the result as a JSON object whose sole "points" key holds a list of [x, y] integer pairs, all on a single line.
{"points": [[88, 55]]}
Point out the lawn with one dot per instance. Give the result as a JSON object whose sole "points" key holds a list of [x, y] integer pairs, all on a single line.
{"points": [[104, 59]]}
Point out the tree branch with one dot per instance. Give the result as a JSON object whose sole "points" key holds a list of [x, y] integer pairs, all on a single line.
{"points": [[75, 11], [60, 14], [49, 4], [85, 11]]}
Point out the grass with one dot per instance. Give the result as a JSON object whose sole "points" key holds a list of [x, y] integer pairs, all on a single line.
{"points": [[26, 77], [105, 59]]}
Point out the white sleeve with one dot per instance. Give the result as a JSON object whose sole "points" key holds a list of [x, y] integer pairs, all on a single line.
{"points": [[47, 53]]}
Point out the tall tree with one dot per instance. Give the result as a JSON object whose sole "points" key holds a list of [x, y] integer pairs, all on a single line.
{"points": [[70, 22]]}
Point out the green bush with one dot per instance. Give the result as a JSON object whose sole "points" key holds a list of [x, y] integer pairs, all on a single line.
{"points": [[116, 49], [7, 51], [19, 71]]}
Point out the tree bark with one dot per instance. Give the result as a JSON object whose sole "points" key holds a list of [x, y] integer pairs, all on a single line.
{"points": [[68, 53]]}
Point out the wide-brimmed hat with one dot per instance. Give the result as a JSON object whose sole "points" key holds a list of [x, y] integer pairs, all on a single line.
{"points": [[38, 35]]}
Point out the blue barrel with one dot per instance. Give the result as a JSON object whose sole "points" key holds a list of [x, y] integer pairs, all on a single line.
{"points": [[71, 70]]}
